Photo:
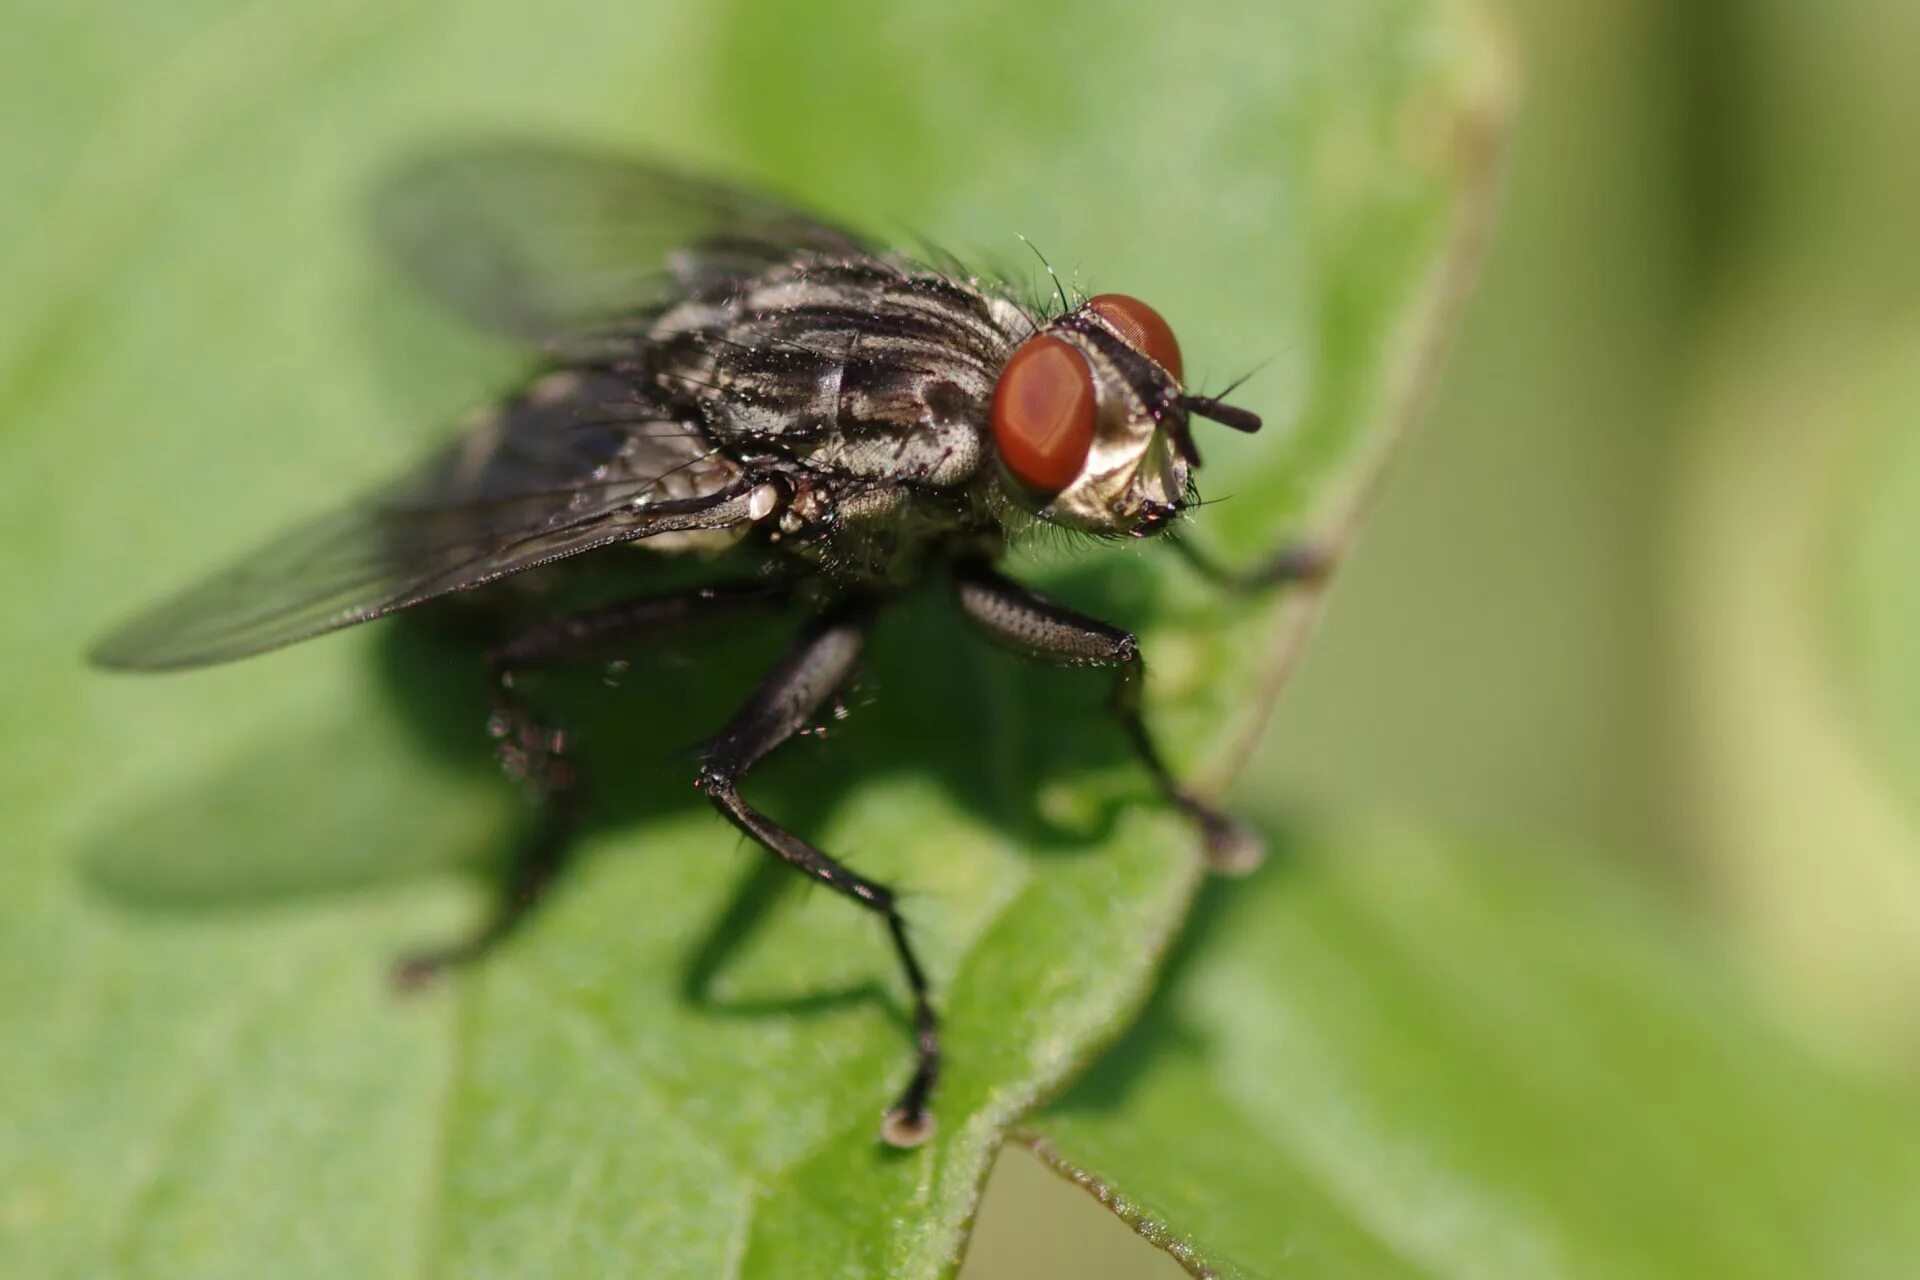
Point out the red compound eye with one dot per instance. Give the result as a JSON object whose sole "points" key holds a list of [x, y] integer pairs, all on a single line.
{"points": [[1043, 414], [1143, 328]]}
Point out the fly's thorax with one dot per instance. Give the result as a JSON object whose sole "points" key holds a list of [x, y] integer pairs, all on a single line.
{"points": [[869, 368], [874, 532]]}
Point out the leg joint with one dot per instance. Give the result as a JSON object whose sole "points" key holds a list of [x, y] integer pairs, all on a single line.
{"points": [[714, 781]]}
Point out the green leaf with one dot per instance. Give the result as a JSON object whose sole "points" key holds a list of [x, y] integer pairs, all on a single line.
{"points": [[678, 1069], [1399, 1054]]}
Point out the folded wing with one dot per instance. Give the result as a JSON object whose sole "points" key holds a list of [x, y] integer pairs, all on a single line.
{"points": [[579, 463], [565, 248], [572, 251]]}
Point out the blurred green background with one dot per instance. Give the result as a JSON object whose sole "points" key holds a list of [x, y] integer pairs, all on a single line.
{"points": [[1646, 586]]}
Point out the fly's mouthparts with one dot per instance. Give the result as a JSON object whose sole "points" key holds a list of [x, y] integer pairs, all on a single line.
{"points": [[1155, 516]]}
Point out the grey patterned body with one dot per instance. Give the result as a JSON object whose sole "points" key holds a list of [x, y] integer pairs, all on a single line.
{"points": [[722, 373], [859, 386], [863, 385]]}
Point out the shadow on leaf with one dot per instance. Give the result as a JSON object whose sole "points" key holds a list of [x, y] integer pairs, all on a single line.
{"points": [[335, 810], [1159, 1031]]}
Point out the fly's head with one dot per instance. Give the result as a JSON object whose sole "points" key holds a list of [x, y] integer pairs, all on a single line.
{"points": [[1090, 420]]}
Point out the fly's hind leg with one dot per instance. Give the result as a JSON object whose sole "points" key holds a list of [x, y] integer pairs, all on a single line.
{"points": [[816, 664], [534, 752], [1032, 625]]}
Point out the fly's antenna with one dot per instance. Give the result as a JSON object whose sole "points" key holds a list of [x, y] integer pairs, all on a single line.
{"points": [[1238, 382], [1211, 408], [1226, 415]]}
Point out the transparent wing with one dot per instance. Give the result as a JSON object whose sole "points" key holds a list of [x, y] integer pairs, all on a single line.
{"points": [[563, 247], [568, 249], [579, 463]]}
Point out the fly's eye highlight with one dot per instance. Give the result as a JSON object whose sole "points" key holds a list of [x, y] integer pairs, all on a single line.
{"points": [[1043, 414], [1143, 329]]}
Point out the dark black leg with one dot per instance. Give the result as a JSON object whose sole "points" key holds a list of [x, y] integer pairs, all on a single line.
{"points": [[1031, 624], [807, 674], [535, 753], [1295, 562], [535, 866]]}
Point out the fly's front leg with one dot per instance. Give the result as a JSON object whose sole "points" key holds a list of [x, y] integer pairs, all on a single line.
{"points": [[1294, 562], [1031, 624], [807, 674], [534, 752]]}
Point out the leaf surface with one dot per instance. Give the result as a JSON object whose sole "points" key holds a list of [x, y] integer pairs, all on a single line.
{"points": [[678, 1068], [1399, 1053]]}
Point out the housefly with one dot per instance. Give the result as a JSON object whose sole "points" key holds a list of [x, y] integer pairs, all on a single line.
{"points": [[723, 373]]}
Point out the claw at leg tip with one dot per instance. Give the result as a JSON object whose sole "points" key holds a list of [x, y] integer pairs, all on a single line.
{"points": [[906, 1130], [415, 973], [1234, 848]]}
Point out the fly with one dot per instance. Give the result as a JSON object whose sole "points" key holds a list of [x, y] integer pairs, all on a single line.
{"points": [[725, 373]]}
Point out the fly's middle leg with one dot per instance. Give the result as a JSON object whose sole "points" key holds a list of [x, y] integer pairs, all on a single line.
{"points": [[816, 664], [1030, 624], [535, 753]]}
